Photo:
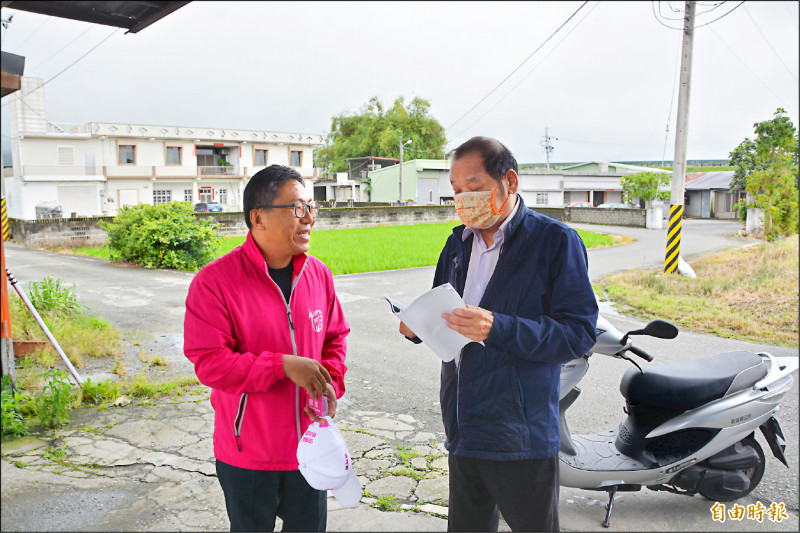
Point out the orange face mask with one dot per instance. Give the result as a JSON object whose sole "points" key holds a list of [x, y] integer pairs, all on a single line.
{"points": [[476, 208]]}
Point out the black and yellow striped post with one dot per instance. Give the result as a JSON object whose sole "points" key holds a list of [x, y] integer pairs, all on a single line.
{"points": [[673, 239], [4, 218]]}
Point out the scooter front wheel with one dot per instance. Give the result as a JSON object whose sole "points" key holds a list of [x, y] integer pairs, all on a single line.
{"points": [[716, 492]]}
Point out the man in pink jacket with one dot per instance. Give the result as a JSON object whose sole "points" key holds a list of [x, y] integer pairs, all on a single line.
{"points": [[265, 331]]}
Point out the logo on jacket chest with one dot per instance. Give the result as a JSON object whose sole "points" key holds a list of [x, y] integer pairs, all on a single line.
{"points": [[316, 320]]}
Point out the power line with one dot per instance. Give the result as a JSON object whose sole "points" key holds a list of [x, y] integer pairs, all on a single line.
{"points": [[721, 16], [770, 44], [530, 71], [659, 16], [518, 67], [64, 47], [746, 65], [70, 65], [673, 10], [45, 21], [672, 99]]}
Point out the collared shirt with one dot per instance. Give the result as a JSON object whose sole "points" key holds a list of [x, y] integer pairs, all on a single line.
{"points": [[482, 262]]}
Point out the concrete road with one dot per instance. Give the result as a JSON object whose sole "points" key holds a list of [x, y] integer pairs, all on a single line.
{"points": [[389, 374]]}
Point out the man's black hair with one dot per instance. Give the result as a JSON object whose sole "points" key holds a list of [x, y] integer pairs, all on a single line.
{"points": [[262, 189], [497, 159]]}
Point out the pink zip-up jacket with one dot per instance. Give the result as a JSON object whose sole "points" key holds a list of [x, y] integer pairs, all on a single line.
{"points": [[236, 330]]}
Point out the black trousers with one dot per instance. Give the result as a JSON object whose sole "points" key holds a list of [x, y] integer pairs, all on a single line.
{"points": [[254, 498], [525, 492]]}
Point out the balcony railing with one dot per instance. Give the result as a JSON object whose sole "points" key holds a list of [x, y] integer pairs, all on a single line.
{"points": [[219, 171], [132, 171]]}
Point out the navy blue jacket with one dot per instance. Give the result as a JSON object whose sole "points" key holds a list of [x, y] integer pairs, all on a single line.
{"points": [[502, 402]]}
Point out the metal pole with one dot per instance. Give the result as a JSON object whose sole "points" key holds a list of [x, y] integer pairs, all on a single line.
{"points": [[681, 141], [44, 327], [6, 336], [400, 193], [547, 147]]}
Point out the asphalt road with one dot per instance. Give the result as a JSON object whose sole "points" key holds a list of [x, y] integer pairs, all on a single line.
{"points": [[387, 373]]}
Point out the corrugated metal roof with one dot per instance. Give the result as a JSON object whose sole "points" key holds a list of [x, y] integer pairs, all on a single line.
{"points": [[133, 15], [709, 180]]}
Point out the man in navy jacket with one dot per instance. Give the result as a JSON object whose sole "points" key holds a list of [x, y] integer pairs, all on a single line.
{"points": [[525, 281]]}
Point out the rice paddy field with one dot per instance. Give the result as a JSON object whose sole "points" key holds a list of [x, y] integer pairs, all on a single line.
{"points": [[348, 251]]}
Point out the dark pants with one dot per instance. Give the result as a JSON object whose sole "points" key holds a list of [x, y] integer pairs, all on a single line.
{"points": [[526, 493], [254, 497]]}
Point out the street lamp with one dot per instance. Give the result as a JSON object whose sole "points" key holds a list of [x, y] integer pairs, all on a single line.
{"points": [[400, 192]]}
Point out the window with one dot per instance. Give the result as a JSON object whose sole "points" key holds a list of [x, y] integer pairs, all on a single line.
{"points": [[66, 155], [127, 153], [162, 196], [206, 194], [541, 198], [295, 158], [187, 195], [223, 196], [173, 155], [260, 157]]}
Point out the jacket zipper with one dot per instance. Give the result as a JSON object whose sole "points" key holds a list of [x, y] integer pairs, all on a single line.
{"points": [[243, 399]]}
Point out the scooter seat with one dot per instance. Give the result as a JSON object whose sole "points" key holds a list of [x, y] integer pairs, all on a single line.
{"points": [[690, 384]]}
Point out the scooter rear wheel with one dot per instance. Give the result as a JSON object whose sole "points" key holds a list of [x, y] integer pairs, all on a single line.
{"points": [[754, 474]]}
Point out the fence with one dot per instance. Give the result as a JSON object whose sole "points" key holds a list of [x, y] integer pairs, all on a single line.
{"points": [[77, 232]]}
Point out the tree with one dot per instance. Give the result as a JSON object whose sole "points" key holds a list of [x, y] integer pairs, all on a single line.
{"points": [[375, 131], [767, 168], [645, 185]]}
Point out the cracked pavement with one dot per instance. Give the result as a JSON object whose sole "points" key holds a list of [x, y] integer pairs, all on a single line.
{"points": [[148, 466]]}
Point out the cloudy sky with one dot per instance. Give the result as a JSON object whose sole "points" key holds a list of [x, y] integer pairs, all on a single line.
{"points": [[604, 85]]}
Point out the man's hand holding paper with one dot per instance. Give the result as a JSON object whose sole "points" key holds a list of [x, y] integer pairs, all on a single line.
{"points": [[474, 323], [425, 318]]}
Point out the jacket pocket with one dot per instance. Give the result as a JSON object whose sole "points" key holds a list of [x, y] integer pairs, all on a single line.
{"points": [[492, 416], [237, 421]]}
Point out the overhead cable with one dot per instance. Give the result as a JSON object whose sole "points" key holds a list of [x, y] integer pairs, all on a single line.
{"points": [[770, 44], [69, 66], [530, 71], [518, 67]]}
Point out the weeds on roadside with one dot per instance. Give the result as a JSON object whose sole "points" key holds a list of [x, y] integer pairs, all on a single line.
{"points": [[386, 503], [79, 333], [749, 293], [13, 424], [52, 295], [119, 368], [56, 400]]}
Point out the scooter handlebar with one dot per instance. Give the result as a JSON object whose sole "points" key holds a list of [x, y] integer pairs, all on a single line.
{"points": [[641, 353]]}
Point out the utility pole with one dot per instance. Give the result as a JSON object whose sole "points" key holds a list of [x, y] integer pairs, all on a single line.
{"points": [[547, 146], [400, 191], [673, 251]]}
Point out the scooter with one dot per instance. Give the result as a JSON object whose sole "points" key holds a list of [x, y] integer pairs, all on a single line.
{"points": [[690, 425]]}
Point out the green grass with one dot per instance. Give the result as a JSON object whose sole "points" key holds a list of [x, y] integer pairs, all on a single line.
{"points": [[747, 293], [348, 251], [103, 252]]}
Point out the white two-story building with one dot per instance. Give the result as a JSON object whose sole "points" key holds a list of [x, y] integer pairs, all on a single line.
{"points": [[96, 168]]}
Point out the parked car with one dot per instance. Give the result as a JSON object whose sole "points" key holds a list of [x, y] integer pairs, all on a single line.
{"points": [[579, 204], [615, 206], [208, 207]]}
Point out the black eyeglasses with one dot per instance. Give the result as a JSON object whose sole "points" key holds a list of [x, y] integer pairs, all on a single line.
{"points": [[300, 208]]}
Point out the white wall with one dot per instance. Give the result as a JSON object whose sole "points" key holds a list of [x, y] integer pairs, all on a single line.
{"points": [[81, 197]]}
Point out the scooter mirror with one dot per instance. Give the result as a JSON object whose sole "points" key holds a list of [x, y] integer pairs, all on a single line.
{"points": [[660, 329]]}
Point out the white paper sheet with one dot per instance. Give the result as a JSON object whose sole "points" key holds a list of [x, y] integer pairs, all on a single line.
{"points": [[424, 317]]}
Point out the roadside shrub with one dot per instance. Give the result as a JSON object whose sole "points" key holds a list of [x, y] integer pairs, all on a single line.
{"points": [[162, 236]]}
